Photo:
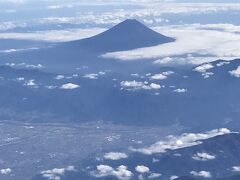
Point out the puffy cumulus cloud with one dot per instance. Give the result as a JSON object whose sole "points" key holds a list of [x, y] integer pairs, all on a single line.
{"points": [[222, 63], [154, 175], [204, 67], [161, 76], [139, 85], [115, 155], [158, 77], [236, 168], [132, 84], [153, 86], [182, 141], [24, 65], [120, 172], [212, 45], [207, 74], [205, 174], [190, 59], [236, 72], [56, 173], [94, 75], [69, 86], [31, 83], [180, 90], [142, 169], [173, 177], [6, 171], [58, 77], [203, 156], [91, 76]]}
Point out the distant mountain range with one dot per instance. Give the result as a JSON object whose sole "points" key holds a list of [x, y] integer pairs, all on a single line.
{"points": [[70, 82], [66, 57], [215, 158], [89, 88], [192, 97]]}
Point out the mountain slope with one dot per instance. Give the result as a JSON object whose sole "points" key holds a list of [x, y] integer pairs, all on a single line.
{"points": [[127, 35], [185, 97]]}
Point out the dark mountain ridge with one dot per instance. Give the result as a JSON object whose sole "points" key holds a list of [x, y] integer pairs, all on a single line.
{"points": [[127, 35]]}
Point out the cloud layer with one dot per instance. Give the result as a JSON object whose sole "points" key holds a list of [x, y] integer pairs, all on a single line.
{"points": [[211, 45], [177, 142]]}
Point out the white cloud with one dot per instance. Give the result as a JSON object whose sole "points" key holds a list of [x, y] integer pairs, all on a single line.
{"points": [[220, 27], [94, 75], [222, 63], [91, 76], [31, 83], [203, 157], [16, 2], [161, 76], [182, 141], [158, 77], [236, 168], [51, 35], [142, 169], [236, 72], [153, 86], [167, 73], [59, 6], [207, 74], [51, 87], [173, 177], [115, 155], [204, 174], [18, 50], [69, 86], [180, 90], [139, 85], [58, 77], [203, 68], [212, 45], [121, 172], [24, 65], [6, 171], [135, 75], [56, 173], [154, 175], [20, 79], [153, 9]]}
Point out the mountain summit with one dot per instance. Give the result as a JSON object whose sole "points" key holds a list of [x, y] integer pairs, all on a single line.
{"points": [[127, 35]]}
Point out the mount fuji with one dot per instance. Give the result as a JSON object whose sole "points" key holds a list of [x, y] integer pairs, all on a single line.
{"points": [[127, 35]]}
